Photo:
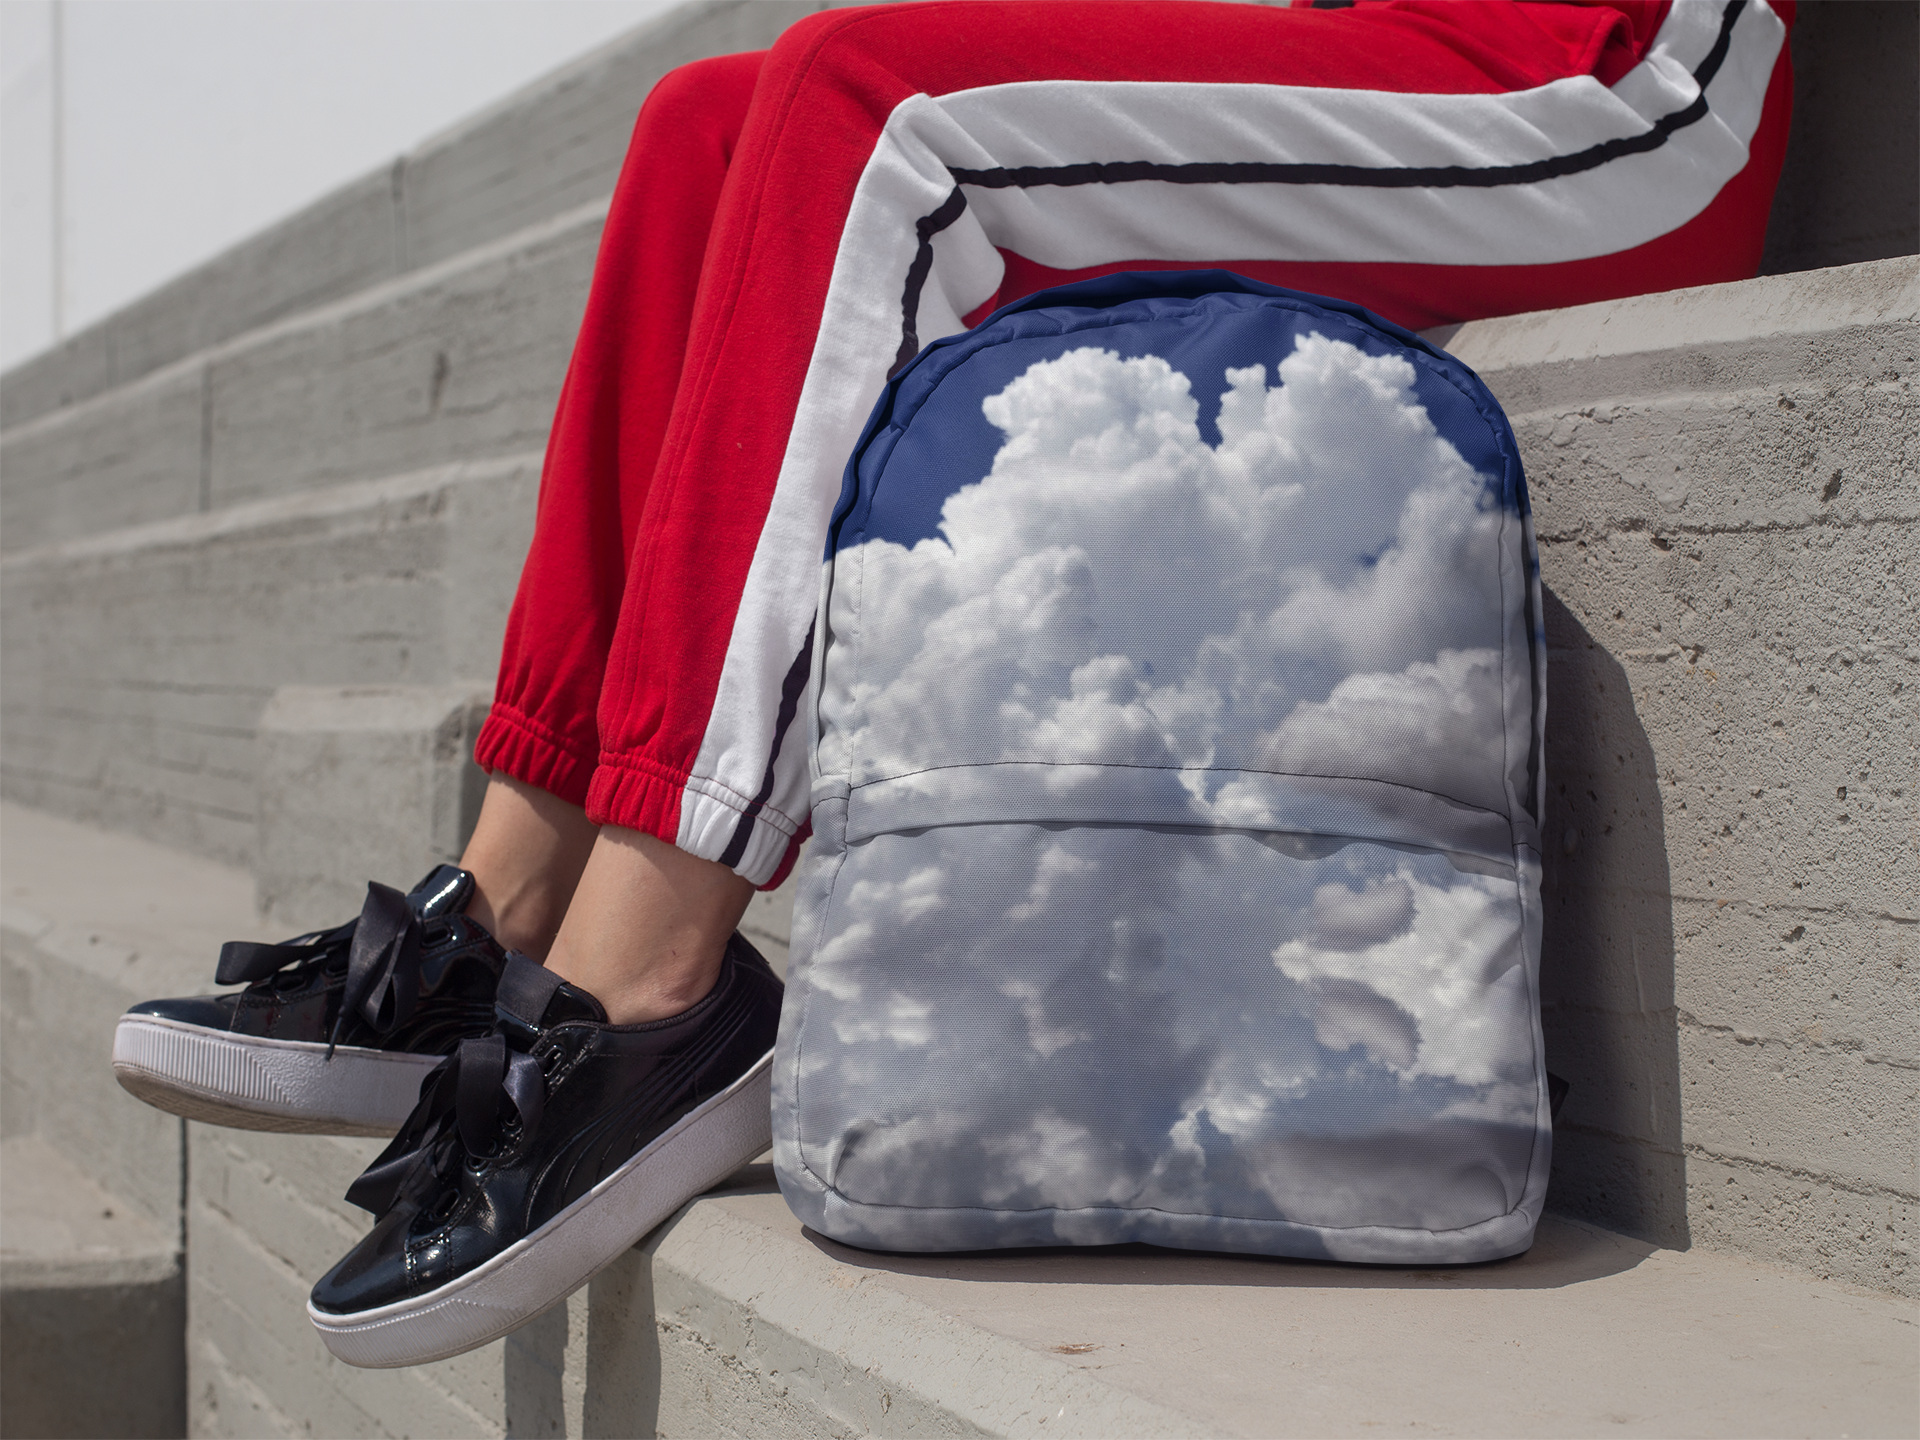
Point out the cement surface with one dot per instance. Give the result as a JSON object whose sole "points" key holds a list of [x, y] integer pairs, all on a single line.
{"points": [[1850, 187], [59, 1228], [137, 915], [1589, 1333], [139, 661], [91, 923], [551, 145], [360, 783], [1726, 487], [92, 1306]]}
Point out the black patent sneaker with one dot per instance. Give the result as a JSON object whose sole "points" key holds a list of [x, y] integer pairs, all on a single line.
{"points": [[541, 1153], [335, 1030]]}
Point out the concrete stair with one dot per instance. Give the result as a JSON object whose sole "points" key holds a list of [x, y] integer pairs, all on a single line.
{"points": [[312, 461], [83, 1277], [731, 1319], [92, 1235]]}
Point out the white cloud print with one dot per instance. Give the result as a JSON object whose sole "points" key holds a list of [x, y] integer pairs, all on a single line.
{"points": [[1317, 594], [1044, 1020]]}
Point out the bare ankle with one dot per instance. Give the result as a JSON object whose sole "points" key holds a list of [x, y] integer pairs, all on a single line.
{"points": [[526, 855], [648, 927], [522, 917]]}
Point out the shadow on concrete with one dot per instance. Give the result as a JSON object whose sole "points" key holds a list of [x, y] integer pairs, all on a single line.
{"points": [[623, 1351], [535, 1363], [1565, 1252], [1850, 188], [1607, 972]]}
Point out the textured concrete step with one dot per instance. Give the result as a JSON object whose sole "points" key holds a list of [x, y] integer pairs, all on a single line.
{"points": [[550, 147], [459, 361], [91, 923], [733, 1320], [1726, 485], [361, 783], [93, 1306], [138, 662], [766, 1329]]}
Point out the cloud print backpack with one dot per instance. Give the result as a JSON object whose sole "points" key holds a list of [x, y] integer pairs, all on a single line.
{"points": [[1177, 752]]}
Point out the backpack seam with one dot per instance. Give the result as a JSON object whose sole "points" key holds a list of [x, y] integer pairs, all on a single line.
{"points": [[1160, 1210], [856, 786]]}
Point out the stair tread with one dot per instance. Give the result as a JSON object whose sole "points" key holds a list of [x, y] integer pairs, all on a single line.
{"points": [[149, 918], [59, 1227], [1588, 1331]]}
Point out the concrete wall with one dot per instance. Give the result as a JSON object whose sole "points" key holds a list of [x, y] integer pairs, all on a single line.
{"points": [[139, 661], [552, 146], [1850, 189], [1726, 485], [310, 462]]}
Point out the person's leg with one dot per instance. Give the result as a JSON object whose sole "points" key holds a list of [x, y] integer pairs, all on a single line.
{"points": [[904, 169], [525, 855], [541, 740], [415, 975], [648, 926]]}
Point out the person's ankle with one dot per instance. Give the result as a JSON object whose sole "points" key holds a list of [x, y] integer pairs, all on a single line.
{"points": [[522, 916], [647, 927], [657, 995], [525, 855]]}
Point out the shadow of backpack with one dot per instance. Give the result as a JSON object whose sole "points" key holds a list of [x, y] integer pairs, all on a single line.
{"points": [[1176, 768]]}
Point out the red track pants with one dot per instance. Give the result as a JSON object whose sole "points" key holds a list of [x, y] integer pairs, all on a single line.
{"points": [[791, 225]]}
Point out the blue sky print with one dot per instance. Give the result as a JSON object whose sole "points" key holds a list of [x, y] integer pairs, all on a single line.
{"points": [[1174, 878]]}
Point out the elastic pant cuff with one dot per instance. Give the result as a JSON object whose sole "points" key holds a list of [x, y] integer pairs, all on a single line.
{"points": [[512, 744], [694, 814]]}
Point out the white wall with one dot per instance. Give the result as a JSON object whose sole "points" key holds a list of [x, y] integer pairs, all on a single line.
{"points": [[142, 137]]}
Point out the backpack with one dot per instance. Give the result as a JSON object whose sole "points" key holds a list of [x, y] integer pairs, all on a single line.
{"points": [[1176, 755]]}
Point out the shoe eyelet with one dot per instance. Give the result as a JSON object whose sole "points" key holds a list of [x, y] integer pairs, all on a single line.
{"points": [[441, 1210]]}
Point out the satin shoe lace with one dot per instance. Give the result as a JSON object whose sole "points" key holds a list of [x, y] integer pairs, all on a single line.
{"points": [[474, 1105], [383, 949]]}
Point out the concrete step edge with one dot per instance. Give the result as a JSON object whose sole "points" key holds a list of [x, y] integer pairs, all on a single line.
{"points": [[533, 238], [1871, 295], [1588, 1331], [871, 1355], [319, 504], [62, 1228]]}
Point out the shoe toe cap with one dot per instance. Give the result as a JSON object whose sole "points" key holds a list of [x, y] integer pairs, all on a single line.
{"points": [[401, 1259], [209, 1012], [374, 1273]]}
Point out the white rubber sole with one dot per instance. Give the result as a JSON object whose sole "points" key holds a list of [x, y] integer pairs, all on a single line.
{"points": [[538, 1272], [251, 1083]]}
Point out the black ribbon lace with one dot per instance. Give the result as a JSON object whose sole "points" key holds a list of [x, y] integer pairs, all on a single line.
{"points": [[383, 961], [468, 1103]]}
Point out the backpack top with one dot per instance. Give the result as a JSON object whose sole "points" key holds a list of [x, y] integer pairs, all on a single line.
{"points": [[1292, 525]]}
